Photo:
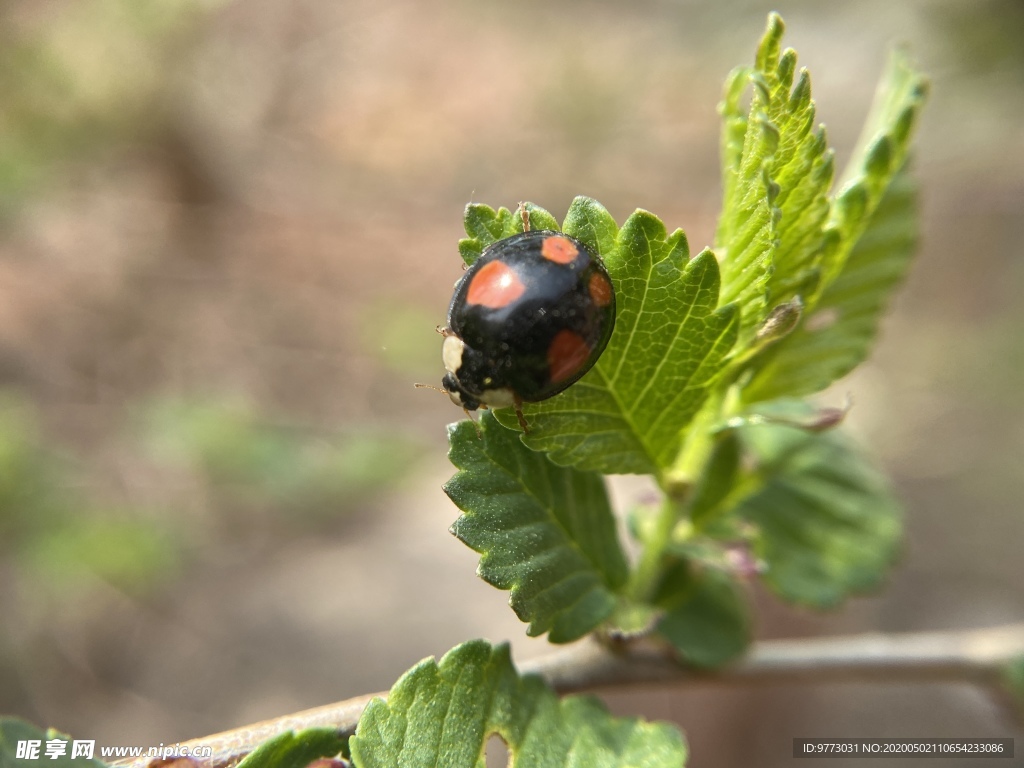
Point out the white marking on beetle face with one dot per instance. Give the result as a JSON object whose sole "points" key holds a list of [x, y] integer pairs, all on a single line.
{"points": [[456, 398], [497, 398], [451, 353]]}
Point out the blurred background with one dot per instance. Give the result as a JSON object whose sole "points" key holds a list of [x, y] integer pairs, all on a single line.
{"points": [[227, 232]]}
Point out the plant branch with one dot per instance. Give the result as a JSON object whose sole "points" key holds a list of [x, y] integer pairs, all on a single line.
{"points": [[975, 656], [972, 656]]}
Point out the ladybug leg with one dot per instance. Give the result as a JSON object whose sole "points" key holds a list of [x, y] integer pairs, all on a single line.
{"points": [[518, 405], [525, 216], [476, 426]]}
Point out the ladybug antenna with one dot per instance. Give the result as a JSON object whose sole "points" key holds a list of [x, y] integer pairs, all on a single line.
{"points": [[430, 386], [525, 216]]}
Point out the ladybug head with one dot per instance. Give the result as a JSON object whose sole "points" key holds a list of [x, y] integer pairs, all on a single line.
{"points": [[458, 395]]}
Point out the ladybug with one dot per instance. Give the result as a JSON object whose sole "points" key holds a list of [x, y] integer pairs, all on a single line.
{"points": [[527, 320]]}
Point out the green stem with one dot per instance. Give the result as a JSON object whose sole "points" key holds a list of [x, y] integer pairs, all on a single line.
{"points": [[677, 482], [648, 569]]}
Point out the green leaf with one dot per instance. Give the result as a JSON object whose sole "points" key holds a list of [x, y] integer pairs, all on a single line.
{"points": [[827, 523], [802, 167], [745, 238], [440, 715], [629, 413], [484, 226], [872, 234], [838, 334], [545, 532], [707, 619], [734, 131], [296, 750], [777, 170], [885, 139], [13, 730]]}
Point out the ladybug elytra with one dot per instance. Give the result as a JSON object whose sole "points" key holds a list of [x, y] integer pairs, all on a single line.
{"points": [[527, 320]]}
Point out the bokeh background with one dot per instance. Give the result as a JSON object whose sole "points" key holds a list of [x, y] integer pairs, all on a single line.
{"points": [[227, 232]]}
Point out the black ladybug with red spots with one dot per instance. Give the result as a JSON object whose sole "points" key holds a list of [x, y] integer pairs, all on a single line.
{"points": [[528, 319]]}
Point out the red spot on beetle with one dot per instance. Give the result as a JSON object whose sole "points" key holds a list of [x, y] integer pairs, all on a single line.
{"points": [[600, 289], [496, 285], [566, 355], [558, 250]]}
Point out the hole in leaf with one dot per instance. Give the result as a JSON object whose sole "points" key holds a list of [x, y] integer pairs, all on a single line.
{"points": [[496, 752]]}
